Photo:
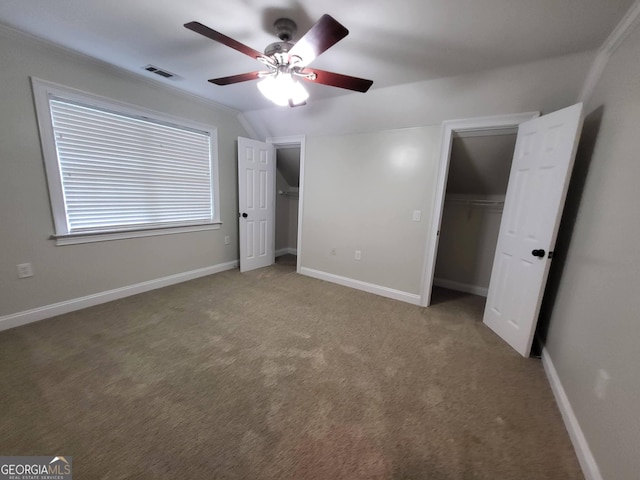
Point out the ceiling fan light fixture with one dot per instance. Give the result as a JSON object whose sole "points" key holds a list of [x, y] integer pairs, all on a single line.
{"points": [[286, 62], [283, 90]]}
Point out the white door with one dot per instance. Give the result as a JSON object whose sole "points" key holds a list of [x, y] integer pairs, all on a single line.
{"points": [[542, 162], [256, 201]]}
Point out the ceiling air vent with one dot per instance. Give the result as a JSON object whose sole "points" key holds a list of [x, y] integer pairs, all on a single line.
{"points": [[161, 72]]}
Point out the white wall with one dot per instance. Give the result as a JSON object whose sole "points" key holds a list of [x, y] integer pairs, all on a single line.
{"points": [[539, 86], [68, 272], [595, 319]]}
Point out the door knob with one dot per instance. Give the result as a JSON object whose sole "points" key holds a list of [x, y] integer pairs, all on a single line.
{"points": [[538, 253], [244, 215]]}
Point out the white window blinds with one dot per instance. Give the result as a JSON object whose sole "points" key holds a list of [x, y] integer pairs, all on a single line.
{"points": [[123, 172]]}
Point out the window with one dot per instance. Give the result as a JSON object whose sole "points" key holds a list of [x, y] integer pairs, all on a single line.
{"points": [[116, 171]]}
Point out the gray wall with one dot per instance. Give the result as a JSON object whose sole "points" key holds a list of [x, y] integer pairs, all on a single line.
{"points": [[359, 194], [286, 215], [292, 233], [480, 165], [282, 213], [595, 312], [69, 272], [467, 246]]}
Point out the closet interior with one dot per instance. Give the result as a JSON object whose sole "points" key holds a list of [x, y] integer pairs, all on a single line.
{"points": [[287, 186], [479, 168]]}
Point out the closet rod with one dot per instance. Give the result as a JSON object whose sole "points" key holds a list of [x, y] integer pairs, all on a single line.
{"points": [[480, 203]]}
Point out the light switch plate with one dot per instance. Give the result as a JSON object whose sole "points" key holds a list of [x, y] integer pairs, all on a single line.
{"points": [[25, 270]]}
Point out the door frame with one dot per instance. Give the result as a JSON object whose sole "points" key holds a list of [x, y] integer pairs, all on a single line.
{"points": [[449, 128], [294, 140]]}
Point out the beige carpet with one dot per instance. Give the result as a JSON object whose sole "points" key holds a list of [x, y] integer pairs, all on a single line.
{"points": [[272, 375]]}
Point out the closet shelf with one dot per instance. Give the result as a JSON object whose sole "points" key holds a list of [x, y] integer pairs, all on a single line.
{"points": [[475, 202], [288, 194]]}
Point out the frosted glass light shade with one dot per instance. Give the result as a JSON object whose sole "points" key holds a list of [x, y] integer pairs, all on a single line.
{"points": [[282, 88]]}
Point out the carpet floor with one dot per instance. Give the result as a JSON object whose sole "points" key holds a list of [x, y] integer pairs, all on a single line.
{"points": [[271, 375]]}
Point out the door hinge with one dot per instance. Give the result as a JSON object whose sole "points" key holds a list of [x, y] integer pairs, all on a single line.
{"points": [[550, 255]]}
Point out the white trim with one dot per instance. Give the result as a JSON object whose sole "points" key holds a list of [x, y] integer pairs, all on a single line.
{"points": [[585, 456], [296, 140], [460, 287], [613, 41], [486, 124], [286, 251], [624, 28], [301, 181], [364, 286], [74, 239], [47, 311]]}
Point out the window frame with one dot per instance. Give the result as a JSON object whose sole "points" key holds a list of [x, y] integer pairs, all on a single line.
{"points": [[42, 92]]}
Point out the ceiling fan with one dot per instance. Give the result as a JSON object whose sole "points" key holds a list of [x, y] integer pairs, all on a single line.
{"points": [[287, 62]]}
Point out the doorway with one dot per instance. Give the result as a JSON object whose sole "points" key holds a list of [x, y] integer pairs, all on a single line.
{"points": [[287, 201], [543, 158], [289, 193], [479, 167], [484, 126]]}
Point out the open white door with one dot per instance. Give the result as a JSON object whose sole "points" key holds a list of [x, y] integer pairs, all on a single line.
{"points": [[538, 182], [256, 201]]}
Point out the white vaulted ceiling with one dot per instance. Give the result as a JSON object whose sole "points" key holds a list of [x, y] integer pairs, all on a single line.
{"points": [[391, 42]]}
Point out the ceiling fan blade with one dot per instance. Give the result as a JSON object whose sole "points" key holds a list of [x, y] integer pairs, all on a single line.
{"points": [[219, 37], [323, 35], [337, 80], [243, 77]]}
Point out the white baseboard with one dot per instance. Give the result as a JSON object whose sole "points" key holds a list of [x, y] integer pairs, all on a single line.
{"points": [[47, 311], [460, 287], [286, 251], [583, 452], [364, 286]]}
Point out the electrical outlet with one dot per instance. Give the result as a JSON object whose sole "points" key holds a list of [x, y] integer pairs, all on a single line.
{"points": [[333, 251], [417, 215], [602, 382], [25, 270], [227, 240], [358, 254]]}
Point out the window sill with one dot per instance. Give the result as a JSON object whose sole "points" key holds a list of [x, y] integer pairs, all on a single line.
{"points": [[76, 238]]}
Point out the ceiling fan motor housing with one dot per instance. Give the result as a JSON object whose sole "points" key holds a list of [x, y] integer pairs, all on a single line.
{"points": [[285, 29], [278, 48]]}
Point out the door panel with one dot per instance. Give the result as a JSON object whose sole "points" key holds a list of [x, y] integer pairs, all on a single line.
{"points": [[256, 200], [542, 163]]}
